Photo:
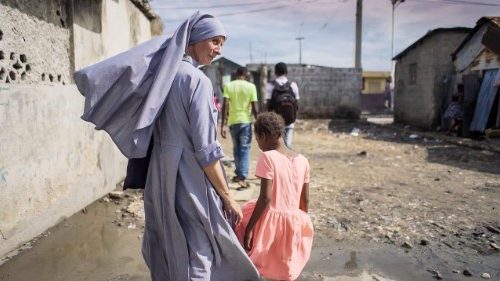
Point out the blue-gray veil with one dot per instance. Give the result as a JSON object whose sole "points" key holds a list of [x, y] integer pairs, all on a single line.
{"points": [[125, 93]]}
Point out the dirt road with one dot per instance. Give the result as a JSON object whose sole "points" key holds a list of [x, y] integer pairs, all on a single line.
{"points": [[386, 204], [436, 201]]}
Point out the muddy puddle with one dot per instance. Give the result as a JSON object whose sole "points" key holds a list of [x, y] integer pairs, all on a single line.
{"points": [[388, 263], [88, 246]]}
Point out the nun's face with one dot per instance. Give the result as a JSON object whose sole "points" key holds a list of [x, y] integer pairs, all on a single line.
{"points": [[205, 51]]}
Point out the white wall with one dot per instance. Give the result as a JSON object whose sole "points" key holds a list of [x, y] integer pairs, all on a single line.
{"points": [[121, 27]]}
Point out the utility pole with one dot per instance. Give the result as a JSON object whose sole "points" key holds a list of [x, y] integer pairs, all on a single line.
{"points": [[359, 29], [250, 51], [395, 4], [300, 48]]}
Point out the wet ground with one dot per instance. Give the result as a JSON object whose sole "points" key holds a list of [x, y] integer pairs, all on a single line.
{"points": [[101, 244], [387, 202]]}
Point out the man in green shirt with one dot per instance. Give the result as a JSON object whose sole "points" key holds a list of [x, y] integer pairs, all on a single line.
{"points": [[240, 100]]}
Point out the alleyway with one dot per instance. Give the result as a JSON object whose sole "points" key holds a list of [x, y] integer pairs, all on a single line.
{"points": [[386, 204]]}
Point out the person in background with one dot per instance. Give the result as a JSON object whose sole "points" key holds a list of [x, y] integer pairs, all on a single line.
{"points": [[282, 97], [240, 100], [388, 92], [455, 111]]}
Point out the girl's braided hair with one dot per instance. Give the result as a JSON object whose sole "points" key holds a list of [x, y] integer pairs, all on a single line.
{"points": [[269, 124]]}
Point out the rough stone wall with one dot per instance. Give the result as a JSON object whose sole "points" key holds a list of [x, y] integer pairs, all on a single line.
{"points": [[327, 92], [34, 42], [420, 104]]}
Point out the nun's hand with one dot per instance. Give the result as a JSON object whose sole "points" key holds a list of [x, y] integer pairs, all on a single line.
{"points": [[223, 132], [231, 206]]}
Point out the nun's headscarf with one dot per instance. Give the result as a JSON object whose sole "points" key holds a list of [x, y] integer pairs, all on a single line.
{"points": [[124, 94], [206, 27]]}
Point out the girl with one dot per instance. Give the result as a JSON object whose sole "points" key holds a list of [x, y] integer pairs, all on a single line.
{"points": [[276, 230]]}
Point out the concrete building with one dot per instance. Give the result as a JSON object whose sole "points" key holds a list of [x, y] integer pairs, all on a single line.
{"points": [[220, 71], [476, 60], [52, 164], [373, 92], [325, 92], [424, 75]]}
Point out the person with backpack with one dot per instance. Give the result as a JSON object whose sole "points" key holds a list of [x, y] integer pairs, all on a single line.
{"points": [[282, 97]]}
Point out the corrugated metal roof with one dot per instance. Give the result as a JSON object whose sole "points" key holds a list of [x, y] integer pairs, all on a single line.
{"points": [[495, 21], [429, 34]]}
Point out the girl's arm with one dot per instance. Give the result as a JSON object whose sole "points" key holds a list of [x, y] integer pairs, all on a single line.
{"points": [[260, 206], [304, 198], [216, 176]]}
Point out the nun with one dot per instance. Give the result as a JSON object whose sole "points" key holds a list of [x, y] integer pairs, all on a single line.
{"points": [[154, 96]]}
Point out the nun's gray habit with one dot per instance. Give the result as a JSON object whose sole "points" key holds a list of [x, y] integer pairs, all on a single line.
{"points": [[155, 90]]}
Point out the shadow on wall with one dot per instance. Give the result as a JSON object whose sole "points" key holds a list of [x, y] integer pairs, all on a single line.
{"points": [[51, 11], [89, 14]]}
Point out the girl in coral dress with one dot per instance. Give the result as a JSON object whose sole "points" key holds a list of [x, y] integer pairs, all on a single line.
{"points": [[276, 230]]}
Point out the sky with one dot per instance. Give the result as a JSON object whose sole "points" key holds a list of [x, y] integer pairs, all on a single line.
{"points": [[263, 31]]}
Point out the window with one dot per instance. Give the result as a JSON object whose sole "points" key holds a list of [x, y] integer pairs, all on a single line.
{"points": [[413, 74]]}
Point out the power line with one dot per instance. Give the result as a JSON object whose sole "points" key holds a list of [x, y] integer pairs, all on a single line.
{"points": [[264, 9], [462, 2], [256, 10], [221, 5]]}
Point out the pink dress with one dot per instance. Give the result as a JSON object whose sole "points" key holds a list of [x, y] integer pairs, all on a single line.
{"points": [[283, 236]]}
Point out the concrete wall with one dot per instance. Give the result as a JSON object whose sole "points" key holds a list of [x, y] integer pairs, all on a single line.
{"points": [[325, 92], [52, 164], [420, 104], [219, 72], [374, 85], [35, 42], [103, 28], [373, 103]]}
